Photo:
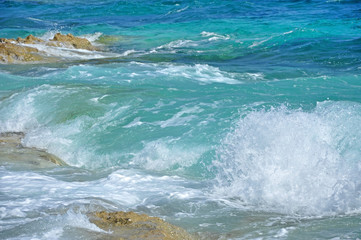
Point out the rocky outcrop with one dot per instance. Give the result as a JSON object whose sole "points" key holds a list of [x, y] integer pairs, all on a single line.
{"points": [[14, 153], [11, 53], [26, 50], [69, 40], [130, 225], [29, 40]]}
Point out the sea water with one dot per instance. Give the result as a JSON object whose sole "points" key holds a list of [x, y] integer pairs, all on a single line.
{"points": [[231, 119]]}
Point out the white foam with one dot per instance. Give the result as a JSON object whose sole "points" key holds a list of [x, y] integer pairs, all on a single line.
{"points": [[214, 36], [178, 44], [17, 113], [48, 35], [134, 123], [126, 188], [294, 162], [181, 118], [128, 52], [199, 72], [92, 37], [177, 10], [80, 220], [259, 41], [163, 154], [70, 53], [55, 233]]}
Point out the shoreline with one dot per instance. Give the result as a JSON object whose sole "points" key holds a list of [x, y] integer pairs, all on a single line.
{"points": [[127, 225]]}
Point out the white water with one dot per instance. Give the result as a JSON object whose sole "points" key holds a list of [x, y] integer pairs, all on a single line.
{"points": [[294, 162], [270, 163], [51, 204]]}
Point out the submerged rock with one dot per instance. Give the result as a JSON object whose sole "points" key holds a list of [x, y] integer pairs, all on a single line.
{"points": [[109, 39], [33, 49], [12, 152], [130, 225]]}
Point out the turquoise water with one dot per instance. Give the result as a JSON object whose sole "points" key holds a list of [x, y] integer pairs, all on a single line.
{"points": [[231, 119]]}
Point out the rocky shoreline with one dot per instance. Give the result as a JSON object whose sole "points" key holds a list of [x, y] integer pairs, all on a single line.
{"points": [[33, 49], [118, 225]]}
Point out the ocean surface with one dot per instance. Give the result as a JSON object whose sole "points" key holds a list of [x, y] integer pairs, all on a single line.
{"points": [[232, 119]]}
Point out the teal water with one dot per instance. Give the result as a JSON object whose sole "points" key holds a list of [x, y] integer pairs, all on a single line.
{"points": [[232, 119]]}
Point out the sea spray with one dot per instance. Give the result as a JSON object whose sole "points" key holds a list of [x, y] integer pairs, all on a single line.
{"points": [[294, 161]]}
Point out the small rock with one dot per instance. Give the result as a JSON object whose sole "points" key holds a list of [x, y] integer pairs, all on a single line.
{"points": [[14, 153], [130, 225]]}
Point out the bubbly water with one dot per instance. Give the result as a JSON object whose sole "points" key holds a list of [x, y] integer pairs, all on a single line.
{"points": [[231, 119]]}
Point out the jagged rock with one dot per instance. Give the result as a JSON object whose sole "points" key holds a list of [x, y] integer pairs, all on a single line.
{"points": [[20, 50], [130, 225], [29, 40], [69, 40], [10, 52], [12, 152]]}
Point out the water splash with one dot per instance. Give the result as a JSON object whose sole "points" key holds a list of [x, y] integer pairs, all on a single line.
{"points": [[294, 162]]}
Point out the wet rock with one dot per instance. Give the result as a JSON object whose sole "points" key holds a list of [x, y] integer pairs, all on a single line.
{"points": [[69, 40], [29, 40], [109, 39], [130, 225], [12, 152], [11, 138], [12, 53], [33, 49]]}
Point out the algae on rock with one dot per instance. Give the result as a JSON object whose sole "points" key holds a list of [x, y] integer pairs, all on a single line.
{"points": [[130, 225]]}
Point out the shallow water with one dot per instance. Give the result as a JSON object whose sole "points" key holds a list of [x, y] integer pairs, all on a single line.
{"points": [[231, 119]]}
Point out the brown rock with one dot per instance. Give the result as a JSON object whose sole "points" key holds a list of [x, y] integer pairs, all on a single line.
{"points": [[10, 53], [29, 40], [14, 51], [130, 225], [5, 40], [60, 40]]}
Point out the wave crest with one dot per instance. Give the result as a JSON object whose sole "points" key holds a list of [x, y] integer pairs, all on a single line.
{"points": [[294, 162]]}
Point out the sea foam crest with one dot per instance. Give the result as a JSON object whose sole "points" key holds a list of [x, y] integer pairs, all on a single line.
{"points": [[162, 155], [214, 36], [294, 162], [202, 73]]}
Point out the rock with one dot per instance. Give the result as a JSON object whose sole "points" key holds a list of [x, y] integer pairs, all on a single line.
{"points": [[12, 152], [11, 138], [21, 50], [69, 40], [12, 53], [108, 39], [29, 40], [130, 225]]}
